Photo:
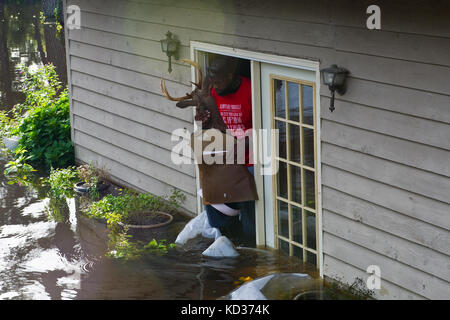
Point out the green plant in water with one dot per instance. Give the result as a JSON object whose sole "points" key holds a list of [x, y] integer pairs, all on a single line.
{"points": [[115, 209], [18, 170], [128, 250], [92, 176], [57, 209], [61, 182], [43, 120]]}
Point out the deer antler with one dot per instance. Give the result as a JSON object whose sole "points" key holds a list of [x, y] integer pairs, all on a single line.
{"points": [[188, 95]]}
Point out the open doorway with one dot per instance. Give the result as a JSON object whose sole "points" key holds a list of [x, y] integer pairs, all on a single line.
{"points": [[230, 78], [286, 96]]}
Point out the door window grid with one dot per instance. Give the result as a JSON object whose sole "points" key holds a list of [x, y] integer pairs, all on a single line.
{"points": [[283, 241]]}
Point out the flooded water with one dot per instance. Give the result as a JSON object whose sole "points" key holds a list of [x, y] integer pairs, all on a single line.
{"points": [[41, 258], [26, 39]]}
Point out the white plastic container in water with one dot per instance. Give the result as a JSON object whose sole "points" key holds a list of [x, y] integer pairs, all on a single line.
{"points": [[11, 142]]}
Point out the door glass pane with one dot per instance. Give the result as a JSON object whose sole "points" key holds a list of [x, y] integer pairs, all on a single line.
{"points": [[308, 147], [311, 258], [310, 229], [296, 180], [281, 126], [280, 99], [310, 188], [297, 230], [298, 252], [282, 180], [293, 101], [283, 246], [294, 140], [307, 103], [283, 219]]}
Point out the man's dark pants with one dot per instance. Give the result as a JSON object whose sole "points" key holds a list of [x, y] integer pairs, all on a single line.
{"points": [[232, 226]]}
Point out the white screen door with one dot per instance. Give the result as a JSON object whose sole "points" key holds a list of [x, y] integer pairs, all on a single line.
{"points": [[291, 195]]}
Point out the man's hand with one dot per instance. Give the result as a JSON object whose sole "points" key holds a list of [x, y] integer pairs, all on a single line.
{"points": [[202, 115]]}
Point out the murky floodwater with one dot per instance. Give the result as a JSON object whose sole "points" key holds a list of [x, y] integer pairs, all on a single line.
{"points": [[26, 39], [44, 259]]}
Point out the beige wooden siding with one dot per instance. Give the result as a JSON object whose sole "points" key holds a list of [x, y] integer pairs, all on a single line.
{"points": [[385, 149]]}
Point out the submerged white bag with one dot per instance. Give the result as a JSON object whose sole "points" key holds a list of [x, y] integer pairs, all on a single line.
{"points": [[222, 247], [197, 226]]}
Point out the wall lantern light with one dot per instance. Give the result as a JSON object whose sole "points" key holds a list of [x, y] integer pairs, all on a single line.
{"points": [[334, 77], [170, 46]]}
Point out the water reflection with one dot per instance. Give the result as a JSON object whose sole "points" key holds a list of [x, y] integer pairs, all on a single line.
{"points": [[25, 40], [46, 259]]}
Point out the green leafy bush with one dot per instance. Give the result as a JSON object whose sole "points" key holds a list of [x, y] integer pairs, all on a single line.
{"points": [[45, 134], [43, 121], [115, 209], [18, 170], [61, 182]]}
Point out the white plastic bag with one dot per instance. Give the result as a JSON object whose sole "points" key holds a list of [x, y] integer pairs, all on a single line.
{"points": [[266, 287], [197, 226], [221, 248]]}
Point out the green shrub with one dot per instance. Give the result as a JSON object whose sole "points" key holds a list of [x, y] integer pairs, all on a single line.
{"points": [[43, 120], [61, 182], [45, 134], [115, 209]]}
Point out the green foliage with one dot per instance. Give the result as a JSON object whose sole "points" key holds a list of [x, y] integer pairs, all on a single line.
{"points": [[17, 169], [43, 121], [91, 176], [128, 250], [115, 209], [41, 86], [61, 182], [45, 134], [57, 209]]}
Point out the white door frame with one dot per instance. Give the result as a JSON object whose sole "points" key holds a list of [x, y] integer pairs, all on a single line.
{"points": [[256, 58]]}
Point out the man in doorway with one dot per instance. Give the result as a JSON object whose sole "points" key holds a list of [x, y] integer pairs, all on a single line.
{"points": [[232, 94]]}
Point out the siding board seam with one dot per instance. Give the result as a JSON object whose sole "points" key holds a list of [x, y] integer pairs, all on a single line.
{"points": [[195, 29], [121, 84], [392, 234], [134, 169], [151, 160], [131, 103], [285, 19], [134, 37], [384, 183], [419, 271], [384, 109], [385, 134], [389, 232], [384, 159], [393, 58], [398, 85], [133, 137], [134, 105], [378, 205], [119, 67], [133, 70], [365, 271], [227, 12]]}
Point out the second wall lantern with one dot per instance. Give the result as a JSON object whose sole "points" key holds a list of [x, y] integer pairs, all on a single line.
{"points": [[334, 77]]}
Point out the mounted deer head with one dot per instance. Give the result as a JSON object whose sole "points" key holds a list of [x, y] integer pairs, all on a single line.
{"points": [[200, 98]]}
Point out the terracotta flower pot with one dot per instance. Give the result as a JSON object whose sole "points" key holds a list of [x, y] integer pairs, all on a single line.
{"points": [[154, 220]]}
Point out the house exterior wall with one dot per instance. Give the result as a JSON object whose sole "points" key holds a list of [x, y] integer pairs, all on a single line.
{"points": [[385, 150]]}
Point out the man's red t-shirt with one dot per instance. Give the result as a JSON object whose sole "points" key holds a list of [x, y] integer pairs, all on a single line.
{"points": [[236, 110]]}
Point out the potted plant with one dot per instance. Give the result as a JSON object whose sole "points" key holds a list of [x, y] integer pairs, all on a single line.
{"points": [[145, 211], [92, 180]]}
